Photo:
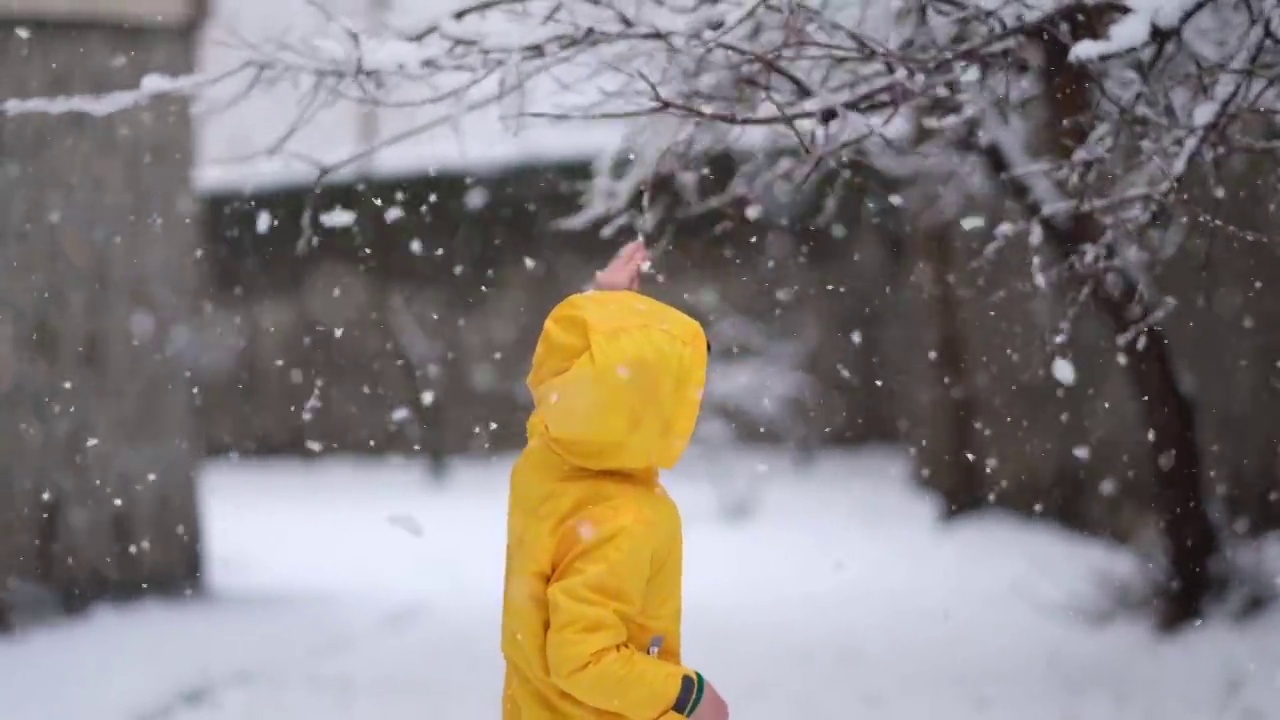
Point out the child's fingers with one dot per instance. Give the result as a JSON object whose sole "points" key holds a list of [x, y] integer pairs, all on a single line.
{"points": [[632, 249], [632, 256], [642, 258]]}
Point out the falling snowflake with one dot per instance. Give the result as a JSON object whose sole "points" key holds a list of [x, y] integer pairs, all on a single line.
{"points": [[338, 217], [1064, 371], [313, 403], [477, 198], [263, 222], [142, 325]]}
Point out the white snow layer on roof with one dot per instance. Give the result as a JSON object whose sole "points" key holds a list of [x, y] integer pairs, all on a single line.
{"points": [[255, 141]]}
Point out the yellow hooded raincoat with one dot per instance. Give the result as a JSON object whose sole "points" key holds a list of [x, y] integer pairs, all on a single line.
{"points": [[591, 616]]}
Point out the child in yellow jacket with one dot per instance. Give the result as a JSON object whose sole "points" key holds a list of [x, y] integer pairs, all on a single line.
{"points": [[591, 614]]}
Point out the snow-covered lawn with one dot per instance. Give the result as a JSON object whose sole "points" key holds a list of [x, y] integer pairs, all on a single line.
{"points": [[344, 589]]}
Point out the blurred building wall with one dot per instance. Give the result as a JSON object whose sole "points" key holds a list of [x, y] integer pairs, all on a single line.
{"points": [[98, 253], [409, 325]]}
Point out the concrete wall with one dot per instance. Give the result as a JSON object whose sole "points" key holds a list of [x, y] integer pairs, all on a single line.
{"points": [[98, 240]]}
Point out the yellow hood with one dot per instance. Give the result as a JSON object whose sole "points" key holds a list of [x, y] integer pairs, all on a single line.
{"points": [[617, 381]]}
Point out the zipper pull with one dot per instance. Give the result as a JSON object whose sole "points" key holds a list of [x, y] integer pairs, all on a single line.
{"points": [[655, 645]]}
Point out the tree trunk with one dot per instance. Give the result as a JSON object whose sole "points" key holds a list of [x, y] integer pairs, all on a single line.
{"points": [[1189, 532], [961, 483], [1190, 536], [424, 360]]}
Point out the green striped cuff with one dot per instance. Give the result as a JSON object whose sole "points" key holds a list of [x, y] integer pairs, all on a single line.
{"points": [[690, 696]]}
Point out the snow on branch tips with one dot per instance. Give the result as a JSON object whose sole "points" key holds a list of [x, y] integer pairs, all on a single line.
{"points": [[443, 62], [1144, 20], [790, 89]]}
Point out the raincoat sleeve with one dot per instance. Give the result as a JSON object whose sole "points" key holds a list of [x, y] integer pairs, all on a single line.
{"points": [[605, 556]]}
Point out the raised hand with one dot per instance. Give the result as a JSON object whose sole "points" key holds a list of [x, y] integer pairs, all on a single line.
{"points": [[623, 271]]}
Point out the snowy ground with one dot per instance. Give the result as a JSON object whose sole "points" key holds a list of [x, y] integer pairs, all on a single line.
{"points": [[360, 590]]}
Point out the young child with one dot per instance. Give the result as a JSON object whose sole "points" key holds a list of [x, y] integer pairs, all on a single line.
{"points": [[591, 614]]}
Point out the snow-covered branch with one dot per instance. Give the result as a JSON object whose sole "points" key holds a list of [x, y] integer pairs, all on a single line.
{"points": [[1145, 21], [100, 105], [791, 89]]}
